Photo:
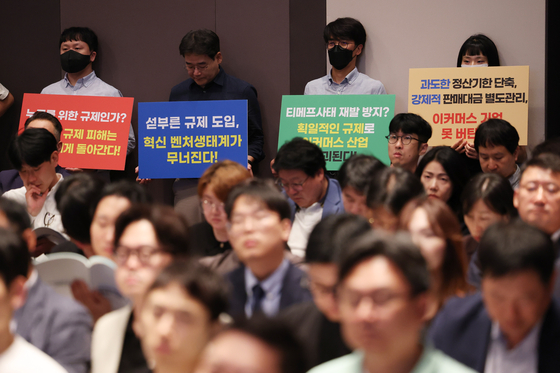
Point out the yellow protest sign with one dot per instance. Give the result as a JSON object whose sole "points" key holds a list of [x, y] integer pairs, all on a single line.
{"points": [[456, 100]]}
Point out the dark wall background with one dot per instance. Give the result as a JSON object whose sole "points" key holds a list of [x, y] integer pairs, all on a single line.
{"points": [[275, 45]]}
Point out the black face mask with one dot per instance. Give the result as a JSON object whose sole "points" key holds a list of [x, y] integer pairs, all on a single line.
{"points": [[73, 62], [340, 57]]}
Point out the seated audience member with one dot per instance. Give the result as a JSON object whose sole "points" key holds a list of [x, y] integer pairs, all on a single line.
{"points": [[388, 193], [497, 144], [78, 51], [147, 238], [436, 231], [55, 324], [10, 179], [259, 227], [486, 199], [16, 354], [259, 345], [354, 177], [444, 173], [6, 99], [179, 314], [316, 323], [346, 40], [547, 146], [382, 298], [408, 140], [513, 325], [300, 165], [34, 154], [211, 236]]}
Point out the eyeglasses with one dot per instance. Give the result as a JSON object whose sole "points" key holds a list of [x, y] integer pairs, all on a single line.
{"points": [[294, 186], [209, 205], [380, 299], [406, 139], [343, 44], [199, 68], [48, 219], [143, 253], [548, 188]]}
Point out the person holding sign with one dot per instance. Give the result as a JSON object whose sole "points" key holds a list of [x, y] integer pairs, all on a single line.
{"points": [[345, 38], [208, 81], [408, 140]]}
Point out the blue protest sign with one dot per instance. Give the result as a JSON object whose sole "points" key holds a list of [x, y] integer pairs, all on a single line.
{"points": [[182, 139]]}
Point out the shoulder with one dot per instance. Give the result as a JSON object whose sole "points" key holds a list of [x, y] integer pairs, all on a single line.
{"points": [[438, 362], [113, 318], [312, 87], [179, 90], [54, 88], [348, 364], [371, 86], [16, 194], [236, 85], [458, 315], [107, 89], [23, 357], [300, 314]]}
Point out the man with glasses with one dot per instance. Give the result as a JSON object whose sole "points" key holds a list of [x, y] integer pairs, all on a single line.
{"points": [[208, 81], [345, 38], [313, 196], [408, 140]]}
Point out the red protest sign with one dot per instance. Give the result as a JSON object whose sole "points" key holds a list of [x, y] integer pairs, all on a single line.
{"points": [[95, 129]]}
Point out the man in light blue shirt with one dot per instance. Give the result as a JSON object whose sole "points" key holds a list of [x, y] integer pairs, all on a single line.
{"points": [[345, 38], [78, 50]]}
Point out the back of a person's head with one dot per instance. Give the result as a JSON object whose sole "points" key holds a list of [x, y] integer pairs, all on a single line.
{"points": [[16, 214], [332, 235], [392, 188], [479, 44], [548, 146], [546, 161], [397, 248], [76, 200], [221, 177], [80, 34], [496, 132], [493, 189], [132, 191], [33, 147], [262, 191], [300, 154], [200, 42], [43, 115], [358, 170], [345, 29], [411, 124], [513, 247], [171, 228], [14, 256]]}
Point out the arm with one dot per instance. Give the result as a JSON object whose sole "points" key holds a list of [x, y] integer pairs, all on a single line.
{"points": [[254, 125], [6, 103]]}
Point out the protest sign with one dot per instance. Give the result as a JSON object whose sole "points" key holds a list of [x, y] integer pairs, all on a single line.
{"points": [[456, 100], [95, 129], [341, 125], [181, 139]]}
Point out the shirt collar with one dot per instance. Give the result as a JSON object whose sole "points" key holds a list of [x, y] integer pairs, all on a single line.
{"points": [[349, 79], [86, 81], [272, 285], [514, 179], [531, 340]]}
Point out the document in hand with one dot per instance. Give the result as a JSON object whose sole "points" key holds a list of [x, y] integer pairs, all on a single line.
{"points": [[60, 270]]}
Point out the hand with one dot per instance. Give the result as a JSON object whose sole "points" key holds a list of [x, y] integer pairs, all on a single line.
{"points": [[35, 200], [96, 303], [141, 181], [274, 173], [459, 146], [471, 151], [250, 158]]}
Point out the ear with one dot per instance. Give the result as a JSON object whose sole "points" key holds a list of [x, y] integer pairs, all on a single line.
{"points": [[320, 173], [218, 58], [92, 56], [516, 198], [59, 146], [516, 153], [358, 50], [54, 157], [286, 226], [30, 237], [425, 307], [423, 148], [18, 292]]}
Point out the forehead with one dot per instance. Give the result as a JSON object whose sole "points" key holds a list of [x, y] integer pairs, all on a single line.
{"points": [[375, 273], [246, 203], [112, 205], [174, 297], [401, 133], [540, 174], [522, 282], [74, 43], [292, 174], [139, 233], [197, 59], [25, 166], [493, 149]]}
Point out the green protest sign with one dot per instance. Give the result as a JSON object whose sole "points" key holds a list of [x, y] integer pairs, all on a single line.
{"points": [[341, 125]]}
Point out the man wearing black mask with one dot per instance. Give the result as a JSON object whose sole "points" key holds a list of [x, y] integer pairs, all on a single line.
{"points": [[78, 50], [345, 38]]}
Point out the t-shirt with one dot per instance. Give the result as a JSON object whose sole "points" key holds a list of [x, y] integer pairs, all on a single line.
{"points": [[22, 357]]}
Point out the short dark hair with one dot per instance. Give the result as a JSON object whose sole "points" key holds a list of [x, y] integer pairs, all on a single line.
{"points": [[276, 334], [261, 190], [479, 44], [392, 188], [171, 228], [398, 248], [546, 161], [14, 256], [332, 235], [357, 171], [300, 154], [198, 281], [201, 42], [33, 147], [496, 132], [17, 215], [46, 116], [494, 190], [132, 191], [80, 34], [455, 167], [548, 146], [507, 248], [76, 200], [345, 29], [412, 124]]}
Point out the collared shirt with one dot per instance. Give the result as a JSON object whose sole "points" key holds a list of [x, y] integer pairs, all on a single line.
{"points": [[355, 83], [515, 178], [304, 221], [523, 358], [272, 287], [89, 85]]}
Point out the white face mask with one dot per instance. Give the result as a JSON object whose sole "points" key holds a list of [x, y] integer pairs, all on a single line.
{"points": [[481, 65]]}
